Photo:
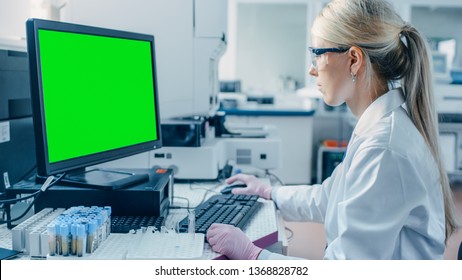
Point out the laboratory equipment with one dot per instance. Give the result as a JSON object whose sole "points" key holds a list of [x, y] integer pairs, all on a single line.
{"points": [[123, 224], [208, 160], [451, 148], [456, 75], [448, 104], [328, 159]]}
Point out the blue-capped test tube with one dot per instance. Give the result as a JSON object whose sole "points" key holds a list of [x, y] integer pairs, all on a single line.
{"points": [[103, 214], [92, 243], [81, 240], [74, 238], [65, 239], [109, 221], [101, 228], [59, 248]]}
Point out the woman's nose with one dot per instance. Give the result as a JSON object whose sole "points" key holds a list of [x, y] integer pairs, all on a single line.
{"points": [[313, 71]]}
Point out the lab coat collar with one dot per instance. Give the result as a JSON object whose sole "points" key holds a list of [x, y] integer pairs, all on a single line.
{"points": [[378, 109]]}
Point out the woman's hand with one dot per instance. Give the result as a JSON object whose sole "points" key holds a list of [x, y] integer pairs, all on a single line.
{"points": [[254, 186], [232, 242]]}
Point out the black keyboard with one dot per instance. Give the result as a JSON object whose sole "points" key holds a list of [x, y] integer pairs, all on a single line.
{"points": [[123, 224], [230, 209]]}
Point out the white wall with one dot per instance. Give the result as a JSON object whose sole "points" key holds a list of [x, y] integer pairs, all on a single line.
{"points": [[13, 15], [270, 44]]}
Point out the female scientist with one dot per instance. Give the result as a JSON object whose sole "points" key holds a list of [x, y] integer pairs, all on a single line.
{"points": [[390, 197]]}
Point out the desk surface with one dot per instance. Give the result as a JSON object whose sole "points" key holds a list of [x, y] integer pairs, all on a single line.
{"points": [[265, 223]]}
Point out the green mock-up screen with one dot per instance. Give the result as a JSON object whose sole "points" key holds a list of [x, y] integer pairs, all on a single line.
{"points": [[98, 93]]}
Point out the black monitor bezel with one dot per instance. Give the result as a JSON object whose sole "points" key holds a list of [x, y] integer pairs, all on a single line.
{"points": [[44, 167]]}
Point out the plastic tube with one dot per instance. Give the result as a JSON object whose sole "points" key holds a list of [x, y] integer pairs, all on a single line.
{"points": [[92, 243], [101, 228], [51, 230], [59, 243], [74, 239], [109, 222], [65, 239], [81, 240]]}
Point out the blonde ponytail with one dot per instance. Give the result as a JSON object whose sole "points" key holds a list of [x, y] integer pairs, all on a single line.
{"points": [[418, 89]]}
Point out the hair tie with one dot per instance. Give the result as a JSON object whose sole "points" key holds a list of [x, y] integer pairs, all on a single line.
{"points": [[403, 38]]}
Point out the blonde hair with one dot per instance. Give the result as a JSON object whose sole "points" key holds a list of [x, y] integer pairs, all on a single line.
{"points": [[395, 51]]}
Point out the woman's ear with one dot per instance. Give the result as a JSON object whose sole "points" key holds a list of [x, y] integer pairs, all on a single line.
{"points": [[356, 56]]}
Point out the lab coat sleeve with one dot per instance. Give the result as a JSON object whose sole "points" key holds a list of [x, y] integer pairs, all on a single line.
{"points": [[304, 203], [373, 209]]}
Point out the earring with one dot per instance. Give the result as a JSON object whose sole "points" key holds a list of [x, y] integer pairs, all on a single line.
{"points": [[353, 77]]}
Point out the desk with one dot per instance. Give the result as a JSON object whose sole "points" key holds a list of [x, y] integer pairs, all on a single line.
{"points": [[266, 225]]}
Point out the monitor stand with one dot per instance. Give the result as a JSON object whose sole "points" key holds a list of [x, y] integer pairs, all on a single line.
{"points": [[103, 179]]}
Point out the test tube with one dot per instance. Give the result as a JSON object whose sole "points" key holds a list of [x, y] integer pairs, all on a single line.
{"points": [[103, 213], [59, 243], [91, 237], [65, 239], [101, 228], [109, 221], [51, 230], [74, 239], [81, 240]]}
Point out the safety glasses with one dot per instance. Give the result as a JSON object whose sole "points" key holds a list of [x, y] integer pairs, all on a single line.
{"points": [[317, 52]]}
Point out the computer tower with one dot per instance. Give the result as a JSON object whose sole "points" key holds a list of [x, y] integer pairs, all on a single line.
{"points": [[17, 142], [17, 151]]}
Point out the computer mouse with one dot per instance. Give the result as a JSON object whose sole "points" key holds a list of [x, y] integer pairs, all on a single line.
{"points": [[227, 189]]}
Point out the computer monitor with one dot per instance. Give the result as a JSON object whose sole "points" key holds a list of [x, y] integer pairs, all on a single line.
{"points": [[94, 99]]}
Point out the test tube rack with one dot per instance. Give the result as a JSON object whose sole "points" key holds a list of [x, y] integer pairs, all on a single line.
{"points": [[31, 235]]}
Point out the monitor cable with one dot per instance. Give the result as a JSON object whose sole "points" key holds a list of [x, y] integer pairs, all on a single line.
{"points": [[46, 185], [275, 177], [207, 191]]}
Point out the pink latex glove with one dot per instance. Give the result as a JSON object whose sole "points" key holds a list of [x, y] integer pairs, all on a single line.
{"points": [[254, 186], [232, 242]]}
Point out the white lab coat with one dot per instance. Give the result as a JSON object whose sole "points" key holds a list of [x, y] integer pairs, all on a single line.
{"points": [[384, 201]]}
